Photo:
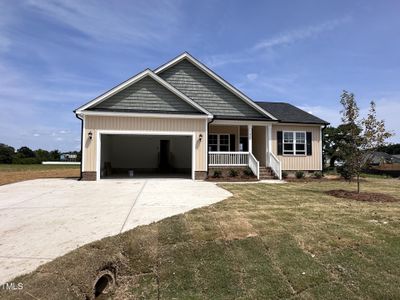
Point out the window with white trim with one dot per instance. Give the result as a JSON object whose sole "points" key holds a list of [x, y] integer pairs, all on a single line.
{"points": [[294, 143], [218, 142], [212, 142]]}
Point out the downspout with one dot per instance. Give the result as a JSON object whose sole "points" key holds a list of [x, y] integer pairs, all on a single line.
{"points": [[322, 146], [81, 168]]}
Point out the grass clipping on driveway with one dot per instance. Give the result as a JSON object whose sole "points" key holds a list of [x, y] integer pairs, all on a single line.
{"points": [[267, 241]]}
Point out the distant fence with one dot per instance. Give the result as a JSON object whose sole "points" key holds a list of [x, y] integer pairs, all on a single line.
{"points": [[61, 163]]}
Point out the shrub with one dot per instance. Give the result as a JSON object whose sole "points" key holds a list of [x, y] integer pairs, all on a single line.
{"points": [[318, 175], [299, 174], [248, 172], [346, 172], [217, 173], [233, 173], [285, 174], [25, 160]]}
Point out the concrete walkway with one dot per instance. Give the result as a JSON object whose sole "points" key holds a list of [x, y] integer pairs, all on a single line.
{"points": [[43, 219]]}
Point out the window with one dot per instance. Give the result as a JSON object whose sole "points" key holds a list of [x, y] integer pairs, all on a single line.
{"points": [[224, 142], [212, 142], [218, 142], [294, 143], [300, 145]]}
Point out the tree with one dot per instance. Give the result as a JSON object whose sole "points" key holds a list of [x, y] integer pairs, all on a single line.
{"points": [[392, 149], [6, 154], [359, 139], [330, 146], [42, 155], [55, 155], [25, 152]]}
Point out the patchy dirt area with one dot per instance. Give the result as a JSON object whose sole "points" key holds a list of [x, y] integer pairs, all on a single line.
{"points": [[363, 196], [17, 176]]}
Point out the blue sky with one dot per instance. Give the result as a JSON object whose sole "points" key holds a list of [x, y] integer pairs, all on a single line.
{"points": [[57, 55]]}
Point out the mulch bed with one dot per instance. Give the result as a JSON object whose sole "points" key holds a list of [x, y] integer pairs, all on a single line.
{"points": [[233, 179], [362, 196], [323, 179]]}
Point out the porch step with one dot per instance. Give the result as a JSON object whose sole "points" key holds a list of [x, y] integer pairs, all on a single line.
{"points": [[267, 173]]}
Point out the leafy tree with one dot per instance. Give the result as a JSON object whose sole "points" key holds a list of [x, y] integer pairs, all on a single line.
{"points": [[42, 155], [331, 144], [54, 155], [390, 149], [359, 139], [6, 154], [25, 152]]}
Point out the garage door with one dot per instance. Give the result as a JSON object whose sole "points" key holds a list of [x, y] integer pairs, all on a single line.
{"points": [[146, 156]]}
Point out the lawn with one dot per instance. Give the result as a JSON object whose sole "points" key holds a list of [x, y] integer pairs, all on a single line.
{"points": [[10, 173], [265, 242]]}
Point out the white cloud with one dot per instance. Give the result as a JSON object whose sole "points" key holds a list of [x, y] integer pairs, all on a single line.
{"points": [[252, 76], [218, 60], [261, 84], [300, 34], [267, 46], [142, 22]]}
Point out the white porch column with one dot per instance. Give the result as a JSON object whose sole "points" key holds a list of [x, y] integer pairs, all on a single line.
{"points": [[270, 138], [238, 138], [268, 144], [250, 137]]}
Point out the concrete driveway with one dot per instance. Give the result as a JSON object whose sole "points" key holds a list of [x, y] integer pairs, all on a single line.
{"points": [[45, 218]]}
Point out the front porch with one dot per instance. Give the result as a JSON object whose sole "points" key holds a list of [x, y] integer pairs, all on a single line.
{"points": [[241, 144]]}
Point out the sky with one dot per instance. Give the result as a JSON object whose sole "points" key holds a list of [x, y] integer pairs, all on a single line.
{"points": [[57, 55]]}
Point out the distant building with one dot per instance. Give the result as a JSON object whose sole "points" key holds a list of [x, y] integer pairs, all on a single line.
{"points": [[68, 156], [380, 158]]}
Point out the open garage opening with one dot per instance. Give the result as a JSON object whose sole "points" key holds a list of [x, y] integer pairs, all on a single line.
{"points": [[145, 156]]}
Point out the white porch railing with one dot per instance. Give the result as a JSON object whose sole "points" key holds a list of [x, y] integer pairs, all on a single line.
{"points": [[220, 159], [254, 165], [228, 158], [275, 164]]}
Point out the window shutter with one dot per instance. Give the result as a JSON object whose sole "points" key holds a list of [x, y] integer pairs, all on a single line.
{"points": [[309, 143], [279, 142], [232, 140]]}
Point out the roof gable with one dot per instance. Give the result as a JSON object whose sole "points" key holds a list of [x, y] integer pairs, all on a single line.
{"points": [[145, 92], [209, 90], [145, 95]]}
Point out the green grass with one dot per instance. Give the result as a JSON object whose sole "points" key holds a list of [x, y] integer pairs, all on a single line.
{"points": [[265, 242], [34, 167]]}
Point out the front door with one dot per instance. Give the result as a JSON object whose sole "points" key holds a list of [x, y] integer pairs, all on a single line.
{"points": [[164, 154], [244, 143]]}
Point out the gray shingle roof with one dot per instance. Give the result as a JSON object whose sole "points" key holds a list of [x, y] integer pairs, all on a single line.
{"points": [[382, 157], [208, 93], [288, 113], [146, 95]]}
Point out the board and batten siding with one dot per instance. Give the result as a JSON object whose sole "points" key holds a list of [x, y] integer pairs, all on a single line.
{"points": [[95, 123], [300, 162]]}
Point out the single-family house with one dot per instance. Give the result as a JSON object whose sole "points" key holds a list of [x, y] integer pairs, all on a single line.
{"points": [[184, 119]]}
